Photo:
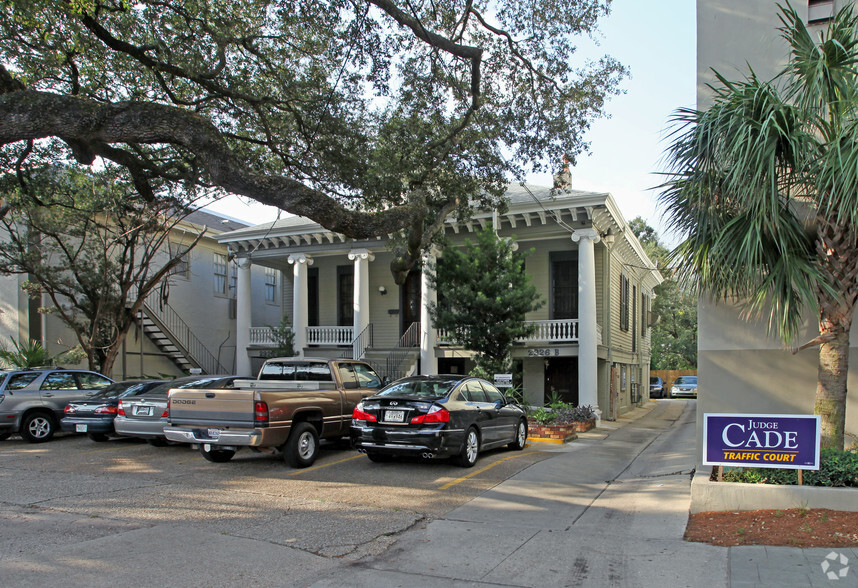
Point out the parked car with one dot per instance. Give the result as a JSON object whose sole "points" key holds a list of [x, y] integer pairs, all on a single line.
{"points": [[656, 387], [32, 400], [684, 386], [437, 416], [145, 416], [94, 414]]}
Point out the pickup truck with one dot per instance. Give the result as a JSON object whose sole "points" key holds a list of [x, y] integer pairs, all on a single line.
{"points": [[293, 403]]}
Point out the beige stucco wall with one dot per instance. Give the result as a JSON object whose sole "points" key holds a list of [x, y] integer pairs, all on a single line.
{"points": [[741, 369]]}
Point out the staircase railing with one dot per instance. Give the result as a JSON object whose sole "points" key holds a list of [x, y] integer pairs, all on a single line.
{"points": [[362, 342], [169, 321], [409, 340]]}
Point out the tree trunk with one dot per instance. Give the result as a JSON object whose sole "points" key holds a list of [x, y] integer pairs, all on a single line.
{"points": [[831, 386]]}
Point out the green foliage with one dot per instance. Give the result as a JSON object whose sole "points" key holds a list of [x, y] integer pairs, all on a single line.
{"points": [[483, 297], [93, 245], [836, 468], [33, 354], [28, 355], [561, 413], [763, 188], [333, 95], [284, 339]]}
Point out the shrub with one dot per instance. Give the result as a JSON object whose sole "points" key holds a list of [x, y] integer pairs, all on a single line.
{"points": [[562, 413], [836, 468]]}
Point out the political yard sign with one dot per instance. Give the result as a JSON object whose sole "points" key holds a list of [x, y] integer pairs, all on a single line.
{"points": [[761, 440]]}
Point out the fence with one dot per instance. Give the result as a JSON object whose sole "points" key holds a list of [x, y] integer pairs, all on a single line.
{"points": [[670, 375]]}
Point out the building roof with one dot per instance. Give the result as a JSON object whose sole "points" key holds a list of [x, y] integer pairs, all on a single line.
{"points": [[216, 222], [528, 205]]}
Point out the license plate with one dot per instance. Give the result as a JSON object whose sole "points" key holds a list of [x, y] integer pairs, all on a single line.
{"points": [[394, 416], [80, 428], [143, 411], [213, 433]]}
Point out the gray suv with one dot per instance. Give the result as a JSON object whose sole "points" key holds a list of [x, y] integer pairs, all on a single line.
{"points": [[32, 400]]}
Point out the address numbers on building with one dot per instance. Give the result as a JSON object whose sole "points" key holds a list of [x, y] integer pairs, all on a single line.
{"points": [[543, 352]]}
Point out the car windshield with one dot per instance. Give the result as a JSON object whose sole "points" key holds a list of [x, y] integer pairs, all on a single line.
{"points": [[123, 389], [653, 380], [425, 389], [686, 380]]}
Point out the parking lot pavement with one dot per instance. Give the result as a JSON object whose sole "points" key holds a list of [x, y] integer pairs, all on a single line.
{"points": [[72, 508]]}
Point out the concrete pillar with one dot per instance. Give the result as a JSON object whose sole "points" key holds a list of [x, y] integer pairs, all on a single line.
{"points": [[242, 319], [300, 314], [428, 334], [361, 257], [588, 343]]}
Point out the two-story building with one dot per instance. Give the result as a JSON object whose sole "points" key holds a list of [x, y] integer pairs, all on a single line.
{"points": [[188, 323], [592, 345]]}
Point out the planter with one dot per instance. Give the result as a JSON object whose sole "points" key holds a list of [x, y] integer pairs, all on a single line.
{"points": [[707, 496], [551, 433]]}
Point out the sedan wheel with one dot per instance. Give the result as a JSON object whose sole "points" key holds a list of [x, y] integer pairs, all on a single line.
{"points": [[520, 436], [470, 449], [37, 427]]}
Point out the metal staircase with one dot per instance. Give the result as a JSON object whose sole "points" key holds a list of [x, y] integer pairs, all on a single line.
{"points": [[174, 338]]}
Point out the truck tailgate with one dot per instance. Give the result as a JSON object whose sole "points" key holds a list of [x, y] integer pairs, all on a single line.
{"points": [[225, 408]]}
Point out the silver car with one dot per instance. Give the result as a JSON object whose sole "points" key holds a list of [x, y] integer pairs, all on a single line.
{"points": [[684, 386], [32, 401], [145, 416]]}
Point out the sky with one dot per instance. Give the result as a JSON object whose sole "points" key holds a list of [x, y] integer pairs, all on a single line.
{"points": [[657, 42]]}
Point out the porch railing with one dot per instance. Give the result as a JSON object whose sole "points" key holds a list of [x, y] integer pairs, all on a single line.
{"points": [[261, 336], [330, 335], [561, 331]]}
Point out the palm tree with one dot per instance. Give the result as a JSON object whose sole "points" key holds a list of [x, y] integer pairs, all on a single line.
{"points": [[763, 186]]}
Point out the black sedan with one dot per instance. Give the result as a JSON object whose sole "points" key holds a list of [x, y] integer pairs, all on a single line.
{"points": [[437, 416], [94, 414]]}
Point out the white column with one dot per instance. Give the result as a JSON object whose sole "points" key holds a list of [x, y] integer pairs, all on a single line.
{"points": [[428, 334], [361, 257], [242, 318], [588, 343], [300, 314]]}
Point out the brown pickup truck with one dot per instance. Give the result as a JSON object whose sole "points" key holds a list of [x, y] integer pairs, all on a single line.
{"points": [[292, 404]]}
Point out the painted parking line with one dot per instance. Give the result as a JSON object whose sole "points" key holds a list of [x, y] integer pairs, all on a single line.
{"points": [[483, 469], [324, 465]]}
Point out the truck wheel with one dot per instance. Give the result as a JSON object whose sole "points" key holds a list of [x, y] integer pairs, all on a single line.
{"points": [[302, 447], [37, 427], [214, 454], [98, 437]]}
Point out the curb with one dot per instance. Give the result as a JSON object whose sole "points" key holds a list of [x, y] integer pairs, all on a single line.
{"points": [[709, 496]]}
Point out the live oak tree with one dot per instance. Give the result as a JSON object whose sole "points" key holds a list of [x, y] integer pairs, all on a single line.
{"points": [[94, 247], [484, 295], [371, 117], [764, 187]]}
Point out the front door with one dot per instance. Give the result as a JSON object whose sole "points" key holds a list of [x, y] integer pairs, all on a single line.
{"points": [[410, 300], [561, 379]]}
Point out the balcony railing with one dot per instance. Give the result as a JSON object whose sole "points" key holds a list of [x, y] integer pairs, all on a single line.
{"points": [[557, 331]]}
